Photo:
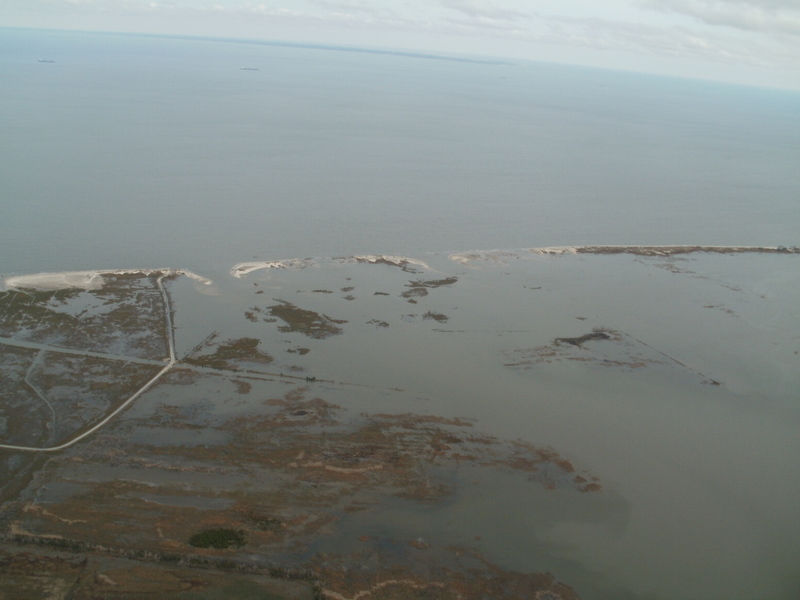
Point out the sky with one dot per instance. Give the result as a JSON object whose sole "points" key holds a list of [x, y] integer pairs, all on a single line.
{"points": [[753, 42]]}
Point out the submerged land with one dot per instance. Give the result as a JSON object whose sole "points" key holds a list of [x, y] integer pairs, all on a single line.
{"points": [[357, 427]]}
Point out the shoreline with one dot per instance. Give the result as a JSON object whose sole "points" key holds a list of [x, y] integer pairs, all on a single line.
{"points": [[85, 280], [665, 250], [239, 270], [465, 258], [92, 280]]}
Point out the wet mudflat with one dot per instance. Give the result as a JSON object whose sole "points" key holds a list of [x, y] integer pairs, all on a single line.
{"points": [[510, 424]]}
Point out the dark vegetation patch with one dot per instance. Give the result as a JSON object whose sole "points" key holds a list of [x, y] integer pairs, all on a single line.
{"points": [[430, 315], [255, 314], [219, 539], [415, 292], [227, 354], [300, 351], [304, 321], [433, 283], [588, 337], [377, 323], [419, 289]]}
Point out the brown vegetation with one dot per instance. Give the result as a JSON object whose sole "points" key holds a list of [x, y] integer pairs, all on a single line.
{"points": [[229, 354], [305, 321]]}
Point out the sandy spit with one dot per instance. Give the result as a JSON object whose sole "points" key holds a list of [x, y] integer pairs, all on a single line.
{"points": [[493, 256], [241, 269], [384, 258], [666, 250], [86, 280]]}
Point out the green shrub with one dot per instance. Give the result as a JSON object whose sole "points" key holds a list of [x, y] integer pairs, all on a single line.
{"points": [[218, 538]]}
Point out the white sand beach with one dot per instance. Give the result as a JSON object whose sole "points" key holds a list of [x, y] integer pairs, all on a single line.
{"points": [[85, 280]]}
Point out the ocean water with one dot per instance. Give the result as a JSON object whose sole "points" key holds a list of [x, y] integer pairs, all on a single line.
{"points": [[142, 151], [153, 152]]}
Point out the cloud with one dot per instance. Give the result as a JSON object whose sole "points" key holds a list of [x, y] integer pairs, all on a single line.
{"points": [[345, 5], [341, 13], [621, 31], [609, 35], [486, 10], [765, 16]]}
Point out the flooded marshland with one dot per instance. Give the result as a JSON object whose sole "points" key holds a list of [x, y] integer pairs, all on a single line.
{"points": [[553, 423]]}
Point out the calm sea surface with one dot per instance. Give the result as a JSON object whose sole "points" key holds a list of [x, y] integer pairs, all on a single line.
{"points": [[138, 151], [151, 152]]}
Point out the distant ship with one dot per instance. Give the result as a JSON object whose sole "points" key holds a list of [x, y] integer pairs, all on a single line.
{"points": [[248, 69], [46, 60]]}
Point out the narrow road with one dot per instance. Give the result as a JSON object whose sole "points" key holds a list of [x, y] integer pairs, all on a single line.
{"points": [[59, 349]]}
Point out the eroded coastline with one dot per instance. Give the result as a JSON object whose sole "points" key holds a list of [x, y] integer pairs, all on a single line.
{"points": [[276, 432], [466, 258], [99, 339]]}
